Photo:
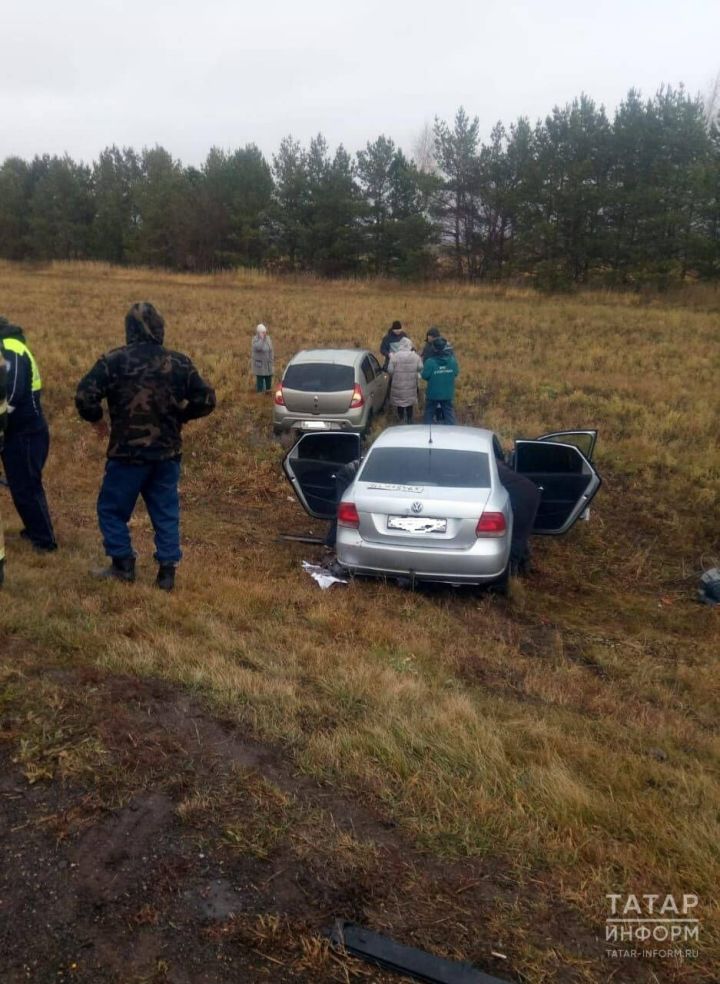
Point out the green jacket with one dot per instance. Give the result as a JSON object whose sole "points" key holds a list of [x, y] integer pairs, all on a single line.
{"points": [[440, 372]]}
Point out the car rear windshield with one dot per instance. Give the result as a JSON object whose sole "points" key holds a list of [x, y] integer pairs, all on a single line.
{"points": [[319, 377], [427, 466]]}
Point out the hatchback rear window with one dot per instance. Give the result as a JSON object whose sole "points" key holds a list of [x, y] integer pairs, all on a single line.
{"points": [[319, 377], [427, 466]]}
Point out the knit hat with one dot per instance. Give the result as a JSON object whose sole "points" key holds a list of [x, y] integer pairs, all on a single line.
{"points": [[396, 326], [261, 330], [439, 345], [433, 333]]}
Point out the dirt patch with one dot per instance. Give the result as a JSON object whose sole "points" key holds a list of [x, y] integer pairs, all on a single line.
{"points": [[189, 852]]}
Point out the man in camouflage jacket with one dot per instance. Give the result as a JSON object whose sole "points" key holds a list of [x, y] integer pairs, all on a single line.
{"points": [[151, 392]]}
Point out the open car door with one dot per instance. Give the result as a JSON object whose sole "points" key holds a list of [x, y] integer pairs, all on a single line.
{"points": [[560, 464], [311, 466]]}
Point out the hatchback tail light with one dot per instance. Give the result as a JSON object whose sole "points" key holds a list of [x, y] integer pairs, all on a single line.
{"points": [[347, 515], [279, 398], [357, 400], [491, 524]]}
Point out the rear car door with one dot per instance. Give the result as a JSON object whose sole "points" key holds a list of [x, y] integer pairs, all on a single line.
{"points": [[368, 382], [560, 465], [311, 466]]}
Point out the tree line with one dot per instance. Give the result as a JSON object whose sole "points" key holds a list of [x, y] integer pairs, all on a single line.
{"points": [[575, 198]]}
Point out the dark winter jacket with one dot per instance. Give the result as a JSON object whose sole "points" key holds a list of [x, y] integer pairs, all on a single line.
{"points": [[24, 386], [3, 401], [440, 371], [150, 391], [428, 346], [389, 344]]}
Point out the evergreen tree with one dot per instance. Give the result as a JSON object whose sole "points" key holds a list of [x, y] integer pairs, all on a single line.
{"points": [[61, 209], [288, 215], [456, 204], [15, 193], [162, 224], [397, 230], [115, 176]]}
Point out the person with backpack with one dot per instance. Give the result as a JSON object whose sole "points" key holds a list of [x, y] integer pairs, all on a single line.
{"points": [[440, 371], [151, 392], [404, 367]]}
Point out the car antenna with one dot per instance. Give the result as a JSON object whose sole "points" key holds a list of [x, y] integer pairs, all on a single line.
{"points": [[430, 437]]}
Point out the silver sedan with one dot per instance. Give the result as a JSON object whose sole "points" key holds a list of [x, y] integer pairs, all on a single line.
{"points": [[428, 503]]}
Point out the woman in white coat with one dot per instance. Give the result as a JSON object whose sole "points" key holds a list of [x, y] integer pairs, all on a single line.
{"points": [[262, 359], [404, 366]]}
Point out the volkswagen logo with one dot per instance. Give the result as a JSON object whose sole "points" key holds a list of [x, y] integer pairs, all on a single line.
{"points": [[416, 507]]}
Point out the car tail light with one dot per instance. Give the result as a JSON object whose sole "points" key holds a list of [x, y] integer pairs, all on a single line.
{"points": [[347, 515], [491, 524], [279, 398], [358, 400]]}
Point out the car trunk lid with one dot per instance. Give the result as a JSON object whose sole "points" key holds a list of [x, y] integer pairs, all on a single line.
{"points": [[317, 388], [405, 515]]}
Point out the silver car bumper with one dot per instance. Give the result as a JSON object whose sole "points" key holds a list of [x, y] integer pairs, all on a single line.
{"points": [[288, 421], [485, 561]]}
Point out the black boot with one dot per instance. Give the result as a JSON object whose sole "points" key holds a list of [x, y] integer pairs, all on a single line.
{"points": [[121, 568], [165, 579], [2, 572]]}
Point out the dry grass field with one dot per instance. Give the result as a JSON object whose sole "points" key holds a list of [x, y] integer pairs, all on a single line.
{"points": [[195, 785]]}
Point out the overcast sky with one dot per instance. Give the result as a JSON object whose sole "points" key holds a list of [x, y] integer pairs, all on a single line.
{"points": [[79, 75]]}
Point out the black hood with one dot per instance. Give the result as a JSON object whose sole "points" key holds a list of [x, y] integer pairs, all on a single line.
{"points": [[144, 324], [10, 331]]}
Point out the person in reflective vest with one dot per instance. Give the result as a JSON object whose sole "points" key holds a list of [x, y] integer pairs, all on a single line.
{"points": [[27, 439], [3, 421]]}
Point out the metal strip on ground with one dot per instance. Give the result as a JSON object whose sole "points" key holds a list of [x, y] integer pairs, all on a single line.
{"points": [[421, 966]]}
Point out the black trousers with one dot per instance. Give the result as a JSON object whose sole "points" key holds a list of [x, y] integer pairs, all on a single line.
{"points": [[524, 499], [24, 457]]}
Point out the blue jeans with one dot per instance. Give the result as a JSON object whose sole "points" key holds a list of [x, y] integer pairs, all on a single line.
{"points": [[444, 410], [24, 457], [157, 483]]}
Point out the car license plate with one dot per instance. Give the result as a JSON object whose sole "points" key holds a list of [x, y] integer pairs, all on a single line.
{"points": [[417, 524], [314, 425]]}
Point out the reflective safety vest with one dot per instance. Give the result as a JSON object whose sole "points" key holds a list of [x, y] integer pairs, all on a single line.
{"points": [[20, 348]]}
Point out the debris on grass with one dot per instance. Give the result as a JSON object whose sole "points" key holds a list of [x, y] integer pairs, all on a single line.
{"points": [[408, 960], [322, 575]]}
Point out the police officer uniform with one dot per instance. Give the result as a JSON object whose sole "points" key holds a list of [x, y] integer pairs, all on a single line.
{"points": [[3, 421], [27, 439]]}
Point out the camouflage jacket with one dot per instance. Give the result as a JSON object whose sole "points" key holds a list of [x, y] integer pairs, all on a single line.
{"points": [[151, 392]]}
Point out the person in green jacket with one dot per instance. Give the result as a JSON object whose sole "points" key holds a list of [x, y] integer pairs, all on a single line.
{"points": [[440, 371]]}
